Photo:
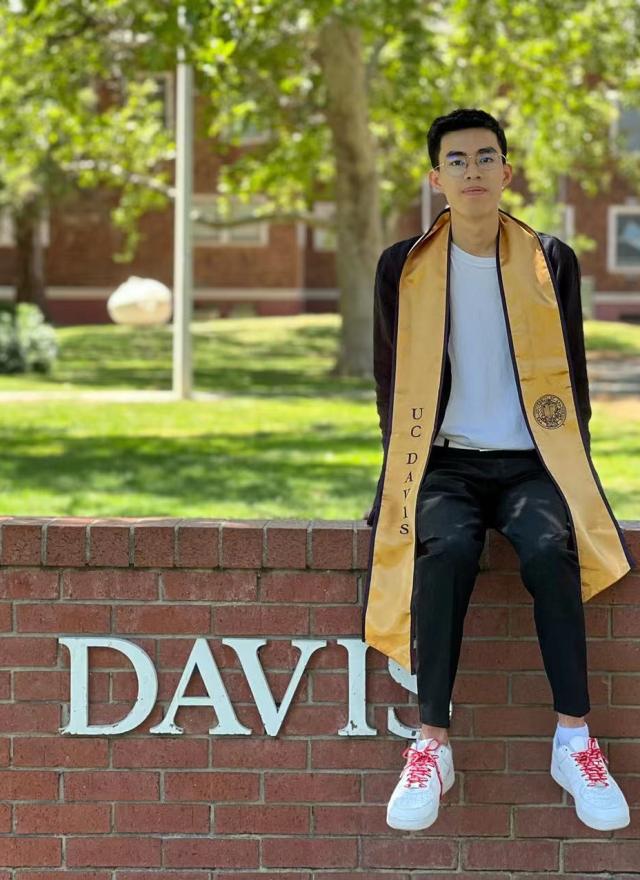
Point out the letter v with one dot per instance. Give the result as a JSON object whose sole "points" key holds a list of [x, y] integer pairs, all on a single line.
{"points": [[247, 650]]}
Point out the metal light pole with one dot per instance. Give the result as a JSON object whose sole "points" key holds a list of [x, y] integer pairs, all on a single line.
{"points": [[182, 248]]}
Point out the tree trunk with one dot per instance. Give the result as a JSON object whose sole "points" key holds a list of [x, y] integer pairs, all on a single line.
{"points": [[30, 285], [359, 222]]}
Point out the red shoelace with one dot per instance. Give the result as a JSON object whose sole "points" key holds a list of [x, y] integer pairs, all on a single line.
{"points": [[420, 764], [592, 762]]}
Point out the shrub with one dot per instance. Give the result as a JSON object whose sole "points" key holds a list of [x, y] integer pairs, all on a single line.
{"points": [[27, 343]]}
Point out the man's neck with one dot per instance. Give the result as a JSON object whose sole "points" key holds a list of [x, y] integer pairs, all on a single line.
{"points": [[476, 236]]}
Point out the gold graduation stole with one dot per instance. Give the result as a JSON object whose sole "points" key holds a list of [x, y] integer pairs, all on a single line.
{"points": [[542, 371]]}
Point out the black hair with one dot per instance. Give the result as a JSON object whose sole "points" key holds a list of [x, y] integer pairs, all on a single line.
{"points": [[458, 119]]}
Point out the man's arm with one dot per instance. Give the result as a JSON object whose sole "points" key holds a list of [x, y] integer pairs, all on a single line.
{"points": [[384, 305], [569, 278]]}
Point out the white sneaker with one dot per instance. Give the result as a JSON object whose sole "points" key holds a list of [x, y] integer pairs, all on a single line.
{"points": [[581, 769], [427, 775]]}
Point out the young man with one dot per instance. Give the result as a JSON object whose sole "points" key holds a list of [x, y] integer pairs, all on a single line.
{"points": [[483, 399]]}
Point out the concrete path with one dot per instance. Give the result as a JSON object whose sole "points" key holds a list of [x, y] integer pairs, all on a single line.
{"points": [[608, 377]]}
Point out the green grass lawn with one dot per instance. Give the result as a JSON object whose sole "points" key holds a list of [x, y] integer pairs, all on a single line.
{"points": [[285, 439]]}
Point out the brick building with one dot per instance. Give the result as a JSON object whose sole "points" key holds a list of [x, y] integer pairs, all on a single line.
{"points": [[289, 268]]}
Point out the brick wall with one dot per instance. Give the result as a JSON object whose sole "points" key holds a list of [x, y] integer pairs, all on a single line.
{"points": [[307, 804]]}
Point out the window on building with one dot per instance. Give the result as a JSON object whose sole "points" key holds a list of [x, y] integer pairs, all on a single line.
{"points": [[625, 128], [623, 253], [165, 93], [247, 234], [7, 234], [324, 239]]}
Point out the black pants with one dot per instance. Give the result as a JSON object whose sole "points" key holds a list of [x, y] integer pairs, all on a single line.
{"points": [[464, 492]]}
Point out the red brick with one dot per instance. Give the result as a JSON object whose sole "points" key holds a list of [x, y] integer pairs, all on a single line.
{"points": [[547, 821], [331, 587], [113, 585], [314, 720], [381, 688], [261, 620], [206, 853], [62, 818], [65, 874], [375, 753], [109, 544], [610, 721], [625, 592], [197, 544], [610, 855], [162, 818], [281, 875], [481, 687], [330, 687], [65, 541], [153, 543], [111, 785], [330, 852], [176, 619], [29, 583], [46, 751], [260, 753], [286, 543], [162, 874], [312, 786], [243, 875], [331, 544], [30, 851], [24, 718], [625, 621], [477, 875], [624, 757], [239, 690], [486, 621], [625, 689], [338, 620], [498, 588], [242, 543], [27, 785], [511, 788], [513, 721], [213, 586], [213, 786], [522, 622], [262, 819], [59, 618], [363, 545], [126, 851], [180, 752], [531, 688], [453, 820], [480, 654], [501, 553], [514, 855], [22, 542], [478, 755], [409, 852]]}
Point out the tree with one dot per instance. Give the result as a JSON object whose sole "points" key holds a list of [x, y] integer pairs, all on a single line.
{"points": [[345, 92], [75, 114]]}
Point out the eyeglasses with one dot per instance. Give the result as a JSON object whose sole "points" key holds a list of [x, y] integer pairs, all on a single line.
{"points": [[456, 165]]}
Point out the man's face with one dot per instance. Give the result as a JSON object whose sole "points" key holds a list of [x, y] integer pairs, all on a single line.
{"points": [[474, 142]]}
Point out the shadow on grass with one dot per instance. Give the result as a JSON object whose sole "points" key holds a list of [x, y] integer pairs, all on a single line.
{"points": [[275, 474], [293, 359]]}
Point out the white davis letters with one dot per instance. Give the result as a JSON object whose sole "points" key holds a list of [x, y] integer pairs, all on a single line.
{"points": [[217, 698]]}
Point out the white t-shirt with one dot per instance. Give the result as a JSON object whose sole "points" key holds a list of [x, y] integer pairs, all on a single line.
{"points": [[483, 409]]}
